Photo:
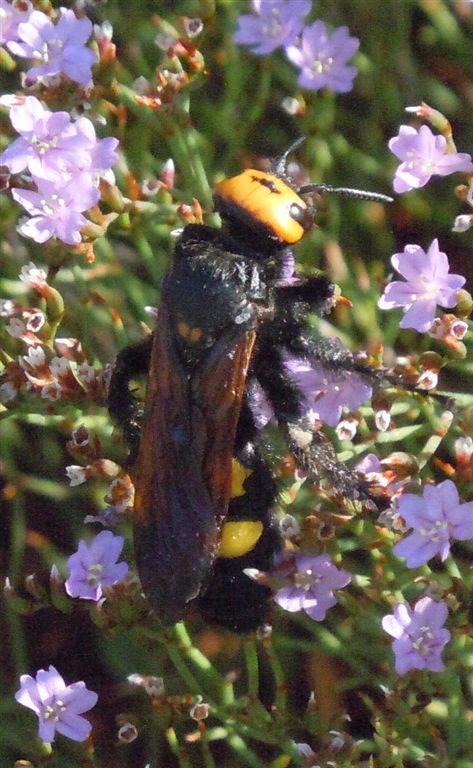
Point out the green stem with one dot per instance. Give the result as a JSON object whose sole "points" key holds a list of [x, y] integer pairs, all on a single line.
{"points": [[252, 666]]}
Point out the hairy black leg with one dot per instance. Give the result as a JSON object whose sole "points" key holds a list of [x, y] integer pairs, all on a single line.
{"points": [[131, 363], [313, 451], [289, 326]]}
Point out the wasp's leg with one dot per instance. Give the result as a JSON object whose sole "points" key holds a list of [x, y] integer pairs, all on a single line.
{"points": [[131, 363], [289, 327], [313, 451]]}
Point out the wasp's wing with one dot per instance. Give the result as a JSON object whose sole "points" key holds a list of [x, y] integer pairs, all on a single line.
{"points": [[183, 472]]}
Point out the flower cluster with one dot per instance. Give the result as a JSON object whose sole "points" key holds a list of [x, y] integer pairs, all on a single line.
{"points": [[321, 58], [66, 374], [64, 160], [55, 48]]}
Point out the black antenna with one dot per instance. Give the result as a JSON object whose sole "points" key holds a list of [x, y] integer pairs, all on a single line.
{"points": [[361, 194], [278, 166]]}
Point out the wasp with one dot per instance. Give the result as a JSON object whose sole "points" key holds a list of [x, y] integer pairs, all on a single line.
{"points": [[230, 311]]}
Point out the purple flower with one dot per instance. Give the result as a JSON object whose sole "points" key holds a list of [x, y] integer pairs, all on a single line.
{"points": [[420, 638], [313, 579], [57, 705], [428, 284], [50, 145], [101, 155], [56, 212], [326, 390], [58, 48], [423, 154], [95, 566], [274, 23], [322, 59], [11, 15], [436, 518]]}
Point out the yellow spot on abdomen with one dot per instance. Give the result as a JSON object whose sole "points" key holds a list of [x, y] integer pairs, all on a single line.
{"points": [[191, 335], [239, 537], [239, 475]]}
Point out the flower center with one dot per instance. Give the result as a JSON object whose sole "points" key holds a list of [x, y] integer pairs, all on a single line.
{"points": [[273, 28], [306, 579], [429, 289], [322, 65], [54, 711], [417, 163], [43, 145], [435, 532], [94, 573], [423, 643]]}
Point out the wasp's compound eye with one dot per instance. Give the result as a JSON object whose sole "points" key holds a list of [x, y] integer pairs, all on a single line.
{"points": [[303, 216]]}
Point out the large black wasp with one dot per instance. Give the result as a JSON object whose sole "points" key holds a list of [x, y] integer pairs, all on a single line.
{"points": [[226, 315]]}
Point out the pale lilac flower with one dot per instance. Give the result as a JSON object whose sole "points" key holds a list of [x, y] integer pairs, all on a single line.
{"points": [[436, 518], [11, 15], [49, 144], [327, 390], [419, 635], [274, 23], [57, 705], [57, 48], [57, 212], [95, 566], [53, 147], [428, 285], [101, 154], [423, 154], [313, 579], [322, 58]]}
